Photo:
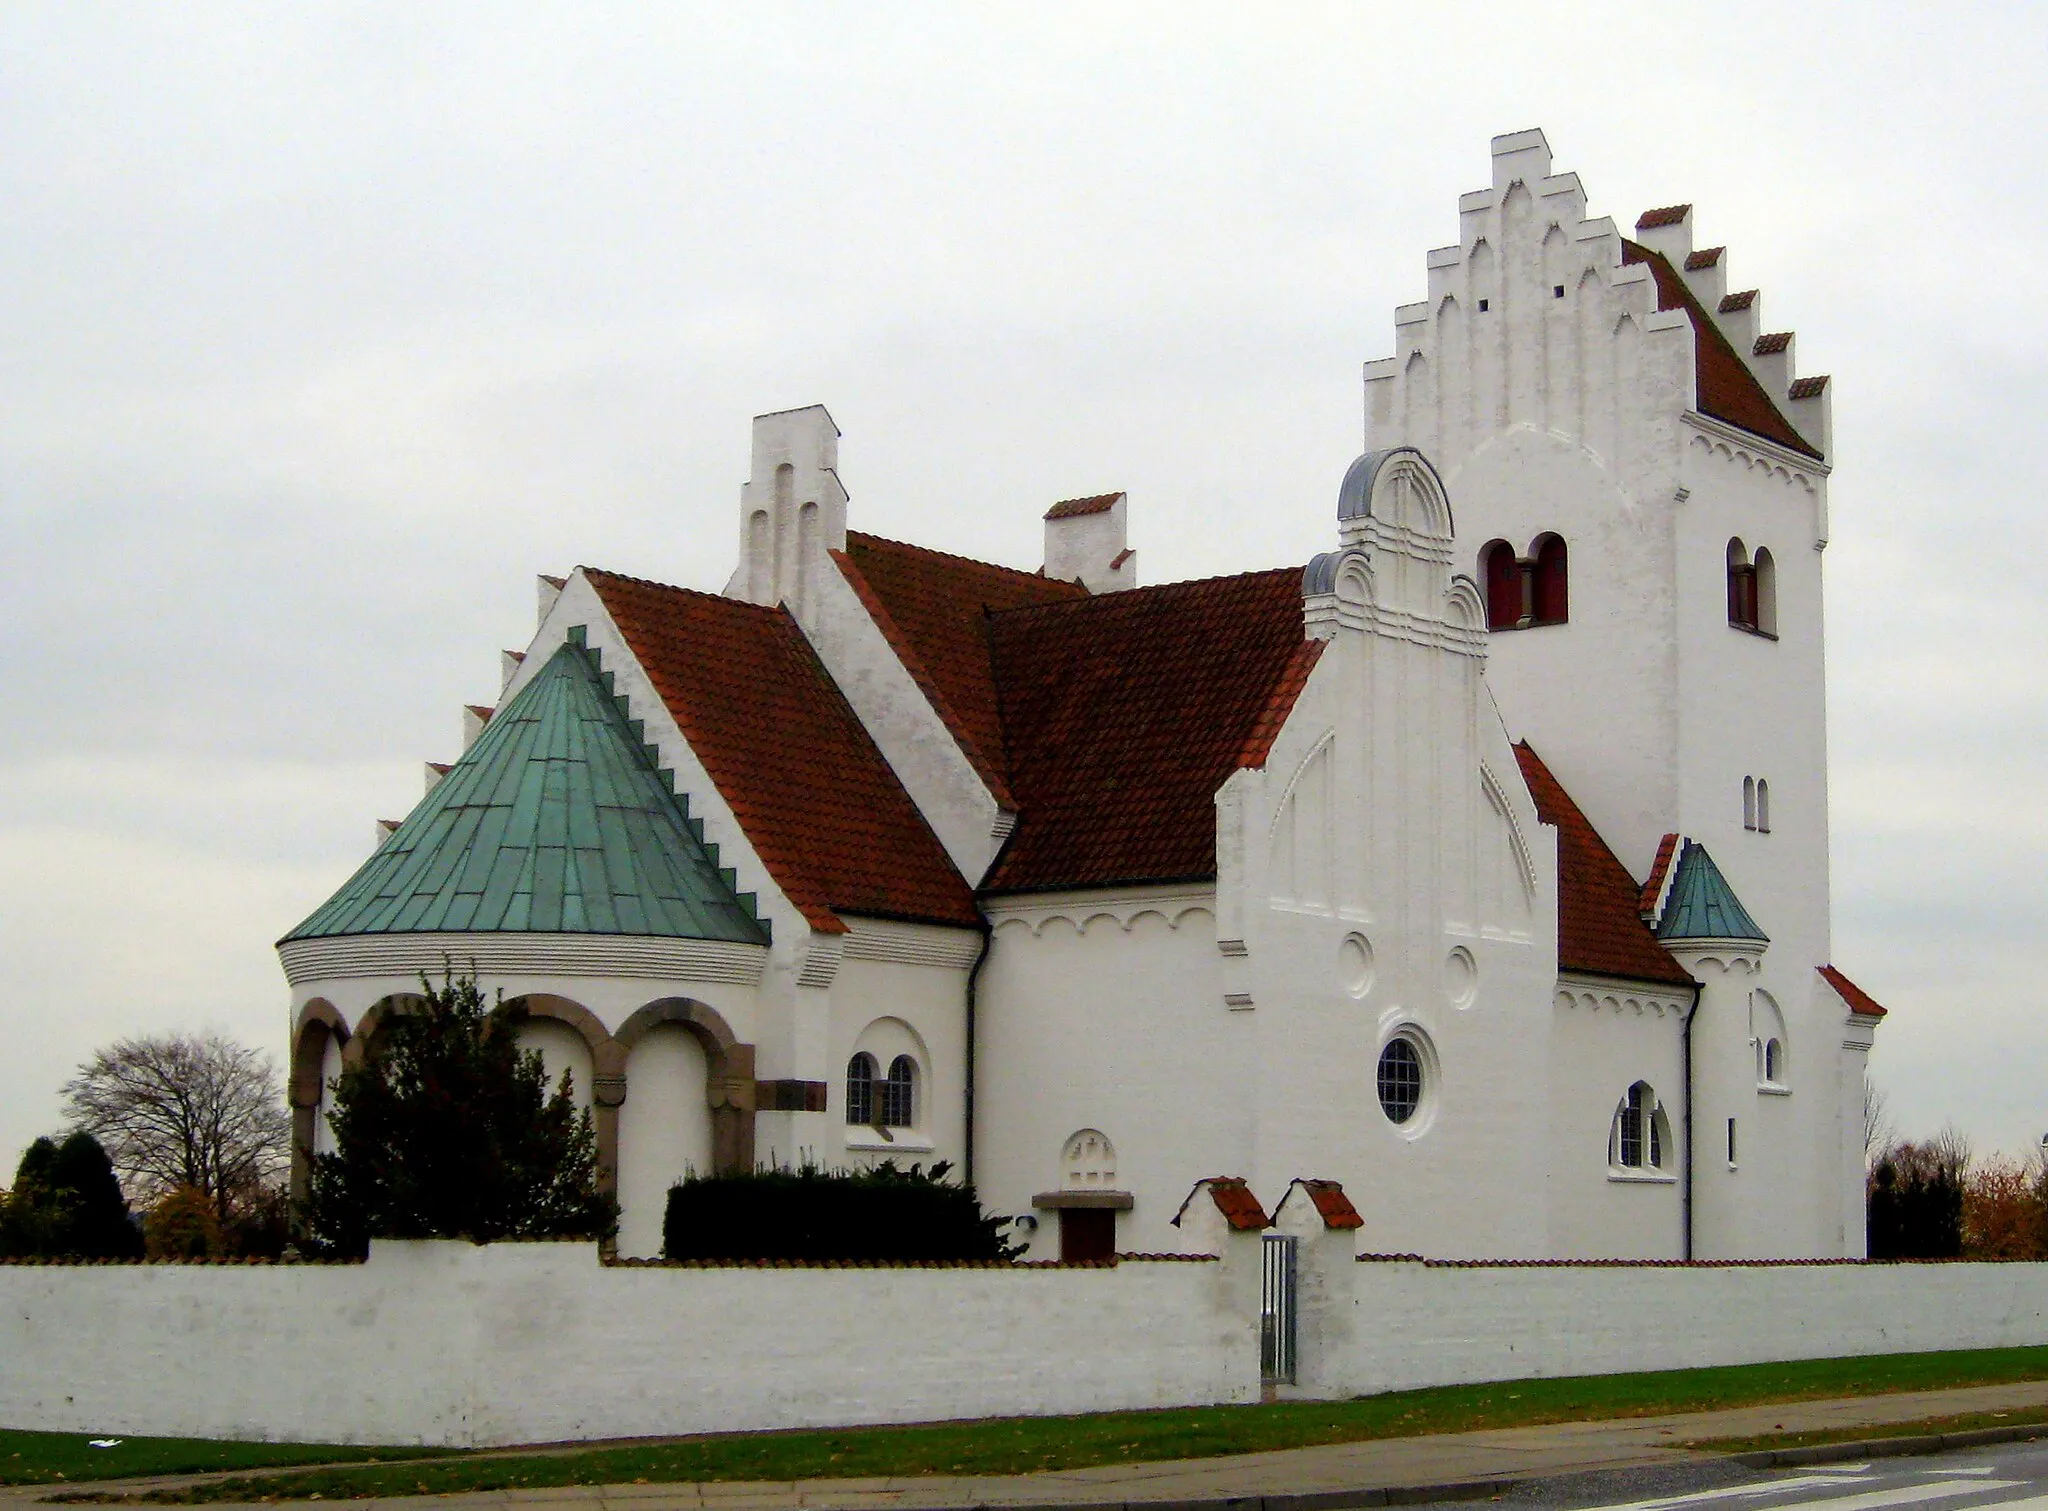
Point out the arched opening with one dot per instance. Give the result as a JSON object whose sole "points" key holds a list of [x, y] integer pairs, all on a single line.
{"points": [[860, 1091], [1640, 1137], [1502, 575], [899, 1094], [664, 1131], [1741, 586], [1765, 572], [1550, 597], [1763, 806], [1749, 802]]}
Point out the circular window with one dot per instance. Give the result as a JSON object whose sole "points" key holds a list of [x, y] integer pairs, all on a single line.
{"points": [[1400, 1080]]}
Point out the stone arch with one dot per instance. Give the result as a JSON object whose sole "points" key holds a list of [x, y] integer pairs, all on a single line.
{"points": [[729, 1075], [365, 1036], [320, 1023]]}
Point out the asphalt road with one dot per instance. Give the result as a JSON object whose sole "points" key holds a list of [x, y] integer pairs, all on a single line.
{"points": [[2012, 1475]]}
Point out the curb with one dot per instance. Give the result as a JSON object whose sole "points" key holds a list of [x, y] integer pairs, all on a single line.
{"points": [[1307, 1500], [1888, 1448]]}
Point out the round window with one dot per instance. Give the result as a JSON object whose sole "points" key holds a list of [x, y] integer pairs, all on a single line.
{"points": [[1400, 1080]]}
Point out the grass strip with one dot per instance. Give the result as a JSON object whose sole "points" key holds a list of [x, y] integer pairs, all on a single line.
{"points": [[1969, 1421], [51, 1458], [1025, 1445]]}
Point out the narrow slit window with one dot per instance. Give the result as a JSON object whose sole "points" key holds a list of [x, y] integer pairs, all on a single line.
{"points": [[1763, 806]]}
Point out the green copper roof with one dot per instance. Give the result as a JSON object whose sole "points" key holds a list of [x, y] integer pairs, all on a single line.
{"points": [[554, 822], [1702, 905]]}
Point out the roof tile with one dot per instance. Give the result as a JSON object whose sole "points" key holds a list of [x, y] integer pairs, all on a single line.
{"points": [[1599, 930], [1670, 215], [1068, 508], [1807, 388], [819, 804], [1728, 390], [1860, 1002]]}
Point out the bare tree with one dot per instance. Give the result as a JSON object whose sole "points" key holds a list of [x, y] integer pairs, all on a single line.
{"points": [[184, 1110], [1879, 1131]]}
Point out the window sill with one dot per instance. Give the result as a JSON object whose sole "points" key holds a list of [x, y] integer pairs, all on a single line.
{"points": [[895, 1140], [1750, 629], [1640, 1177], [1768, 1089]]}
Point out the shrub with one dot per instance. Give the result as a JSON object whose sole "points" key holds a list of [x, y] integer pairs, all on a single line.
{"points": [[184, 1225], [2003, 1213], [66, 1202], [1915, 1200], [807, 1213], [446, 1130]]}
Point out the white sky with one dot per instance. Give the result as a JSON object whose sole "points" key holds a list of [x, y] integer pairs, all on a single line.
{"points": [[325, 328]]}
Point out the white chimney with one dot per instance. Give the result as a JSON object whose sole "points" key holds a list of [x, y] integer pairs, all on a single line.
{"points": [[792, 509], [1084, 543]]}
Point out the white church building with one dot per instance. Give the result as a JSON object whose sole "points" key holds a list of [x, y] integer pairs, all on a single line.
{"points": [[1480, 865]]}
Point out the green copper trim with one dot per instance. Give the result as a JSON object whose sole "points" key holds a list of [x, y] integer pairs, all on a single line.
{"points": [[555, 821], [1702, 905]]}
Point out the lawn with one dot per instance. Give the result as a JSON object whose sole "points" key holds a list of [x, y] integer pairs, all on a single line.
{"points": [[45, 1458], [1023, 1445]]}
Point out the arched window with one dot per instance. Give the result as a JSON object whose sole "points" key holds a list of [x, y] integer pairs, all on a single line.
{"points": [[1741, 586], [1766, 573], [1763, 806], [1641, 1135], [1767, 1034], [860, 1091], [899, 1094], [1550, 596], [1502, 575], [1774, 1062], [1749, 802]]}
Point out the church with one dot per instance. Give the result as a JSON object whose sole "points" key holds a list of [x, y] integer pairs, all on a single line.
{"points": [[1479, 865]]}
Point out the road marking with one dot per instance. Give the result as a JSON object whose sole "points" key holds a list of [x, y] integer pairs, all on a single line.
{"points": [[1872, 1500]]}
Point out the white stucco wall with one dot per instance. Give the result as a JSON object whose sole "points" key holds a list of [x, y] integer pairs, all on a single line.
{"points": [[443, 1342]]}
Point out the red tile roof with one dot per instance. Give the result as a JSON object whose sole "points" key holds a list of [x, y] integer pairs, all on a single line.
{"points": [[1332, 1205], [1653, 889], [1068, 508], [819, 804], [1233, 1198], [1599, 930], [1807, 388], [1772, 344], [1728, 390], [1705, 257], [1732, 304], [1124, 713], [1860, 1002], [934, 609], [1670, 215]]}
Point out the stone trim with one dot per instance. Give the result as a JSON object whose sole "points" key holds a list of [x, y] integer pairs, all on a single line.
{"points": [[790, 1096], [1054, 1201]]}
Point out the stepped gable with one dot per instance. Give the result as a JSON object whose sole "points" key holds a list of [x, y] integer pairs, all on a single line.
{"points": [[819, 804], [1124, 713], [1728, 390], [554, 821], [933, 608], [1599, 930]]}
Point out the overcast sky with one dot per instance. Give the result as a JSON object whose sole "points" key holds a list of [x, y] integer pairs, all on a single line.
{"points": [[325, 328]]}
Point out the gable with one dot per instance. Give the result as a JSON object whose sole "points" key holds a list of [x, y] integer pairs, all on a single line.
{"points": [[817, 801]]}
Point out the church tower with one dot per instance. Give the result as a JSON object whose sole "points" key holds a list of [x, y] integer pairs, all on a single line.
{"points": [[1639, 482]]}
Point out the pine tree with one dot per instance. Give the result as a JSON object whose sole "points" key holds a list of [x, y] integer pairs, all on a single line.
{"points": [[446, 1130], [67, 1203]]}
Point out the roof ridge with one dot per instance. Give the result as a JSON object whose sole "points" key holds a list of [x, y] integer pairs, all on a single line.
{"points": [[767, 609], [1127, 596], [1027, 574]]}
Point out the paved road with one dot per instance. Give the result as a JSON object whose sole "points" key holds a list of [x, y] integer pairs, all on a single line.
{"points": [[2012, 1477]]}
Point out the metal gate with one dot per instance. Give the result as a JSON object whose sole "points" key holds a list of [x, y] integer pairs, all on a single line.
{"points": [[1277, 1293]]}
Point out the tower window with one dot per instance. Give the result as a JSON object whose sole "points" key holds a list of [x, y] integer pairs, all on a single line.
{"points": [[1549, 589], [1749, 803], [1752, 590], [1482, 304], [1557, 291], [1502, 575], [1639, 1140], [1522, 592], [1763, 806]]}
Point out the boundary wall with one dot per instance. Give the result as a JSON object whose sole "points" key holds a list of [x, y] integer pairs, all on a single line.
{"points": [[443, 1342], [447, 1343]]}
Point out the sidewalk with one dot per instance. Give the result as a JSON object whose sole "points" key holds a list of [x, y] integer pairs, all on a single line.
{"points": [[1390, 1471]]}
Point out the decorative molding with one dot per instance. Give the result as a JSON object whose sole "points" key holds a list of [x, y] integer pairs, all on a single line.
{"points": [[1238, 1002], [1079, 910], [1497, 795], [638, 956], [1054, 1201], [1740, 445], [821, 957], [1621, 1000], [1232, 949], [898, 943]]}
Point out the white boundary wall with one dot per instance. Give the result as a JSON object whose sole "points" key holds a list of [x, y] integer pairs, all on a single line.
{"points": [[1407, 1325], [448, 1343]]}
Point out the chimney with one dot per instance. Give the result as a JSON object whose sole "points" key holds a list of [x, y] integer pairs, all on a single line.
{"points": [[792, 509], [1084, 543]]}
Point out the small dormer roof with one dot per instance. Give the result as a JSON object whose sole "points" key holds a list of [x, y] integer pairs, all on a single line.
{"points": [[554, 821], [1702, 905]]}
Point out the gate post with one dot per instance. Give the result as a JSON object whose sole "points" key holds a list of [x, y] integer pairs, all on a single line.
{"points": [[1323, 1225]]}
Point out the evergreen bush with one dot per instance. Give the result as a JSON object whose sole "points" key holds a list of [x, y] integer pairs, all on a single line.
{"points": [[67, 1203], [808, 1213], [447, 1130]]}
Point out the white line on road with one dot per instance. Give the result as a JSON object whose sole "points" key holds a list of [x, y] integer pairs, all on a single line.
{"points": [[1872, 1500]]}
